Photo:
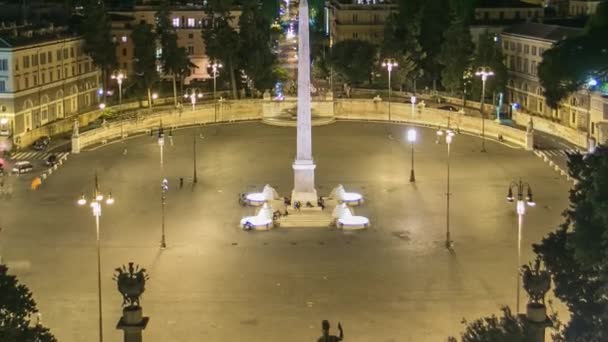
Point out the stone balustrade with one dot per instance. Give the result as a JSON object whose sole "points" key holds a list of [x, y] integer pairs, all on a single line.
{"points": [[346, 109]]}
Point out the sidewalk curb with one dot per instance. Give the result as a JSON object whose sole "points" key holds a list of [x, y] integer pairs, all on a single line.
{"points": [[555, 167]]}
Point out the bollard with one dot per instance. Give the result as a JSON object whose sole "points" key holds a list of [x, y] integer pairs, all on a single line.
{"points": [[43, 176], [50, 171], [55, 167]]}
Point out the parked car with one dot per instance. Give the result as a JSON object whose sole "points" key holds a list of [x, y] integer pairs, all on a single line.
{"points": [[42, 143], [51, 160], [22, 167], [450, 108]]}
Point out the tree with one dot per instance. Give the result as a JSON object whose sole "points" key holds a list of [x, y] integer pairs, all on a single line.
{"points": [[17, 306], [434, 21], [508, 328], [270, 9], [173, 59], [95, 29], [221, 39], [489, 54], [353, 60], [257, 59], [144, 53], [559, 76], [456, 55], [575, 254], [401, 33]]}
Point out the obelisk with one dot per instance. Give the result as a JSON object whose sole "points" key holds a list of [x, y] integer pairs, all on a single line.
{"points": [[304, 168]]}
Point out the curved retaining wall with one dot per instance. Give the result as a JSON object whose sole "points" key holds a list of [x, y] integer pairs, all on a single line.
{"points": [[348, 109]]}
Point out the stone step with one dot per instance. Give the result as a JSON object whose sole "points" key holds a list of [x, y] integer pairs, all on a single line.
{"points": [[306, 219]]}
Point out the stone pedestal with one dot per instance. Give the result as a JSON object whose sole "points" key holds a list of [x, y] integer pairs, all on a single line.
{"points": [[304, 183], [75, 144], [132, 323], [537, 320], [529, 141]]}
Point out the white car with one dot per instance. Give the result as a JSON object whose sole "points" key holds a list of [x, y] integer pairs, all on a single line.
{"points": [[22, 167]]}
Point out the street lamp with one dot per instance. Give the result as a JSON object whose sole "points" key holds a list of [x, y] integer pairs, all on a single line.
{"points": [[95, 203], [449, 134], [413, 101], [119, 76], [484, 73], [194, 174], [411, 137], [520, 187], [164, 186], [215, 66], [389, 64], [193, 94], [161, 144]]}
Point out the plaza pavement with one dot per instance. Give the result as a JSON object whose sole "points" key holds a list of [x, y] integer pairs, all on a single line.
{"points": [[215, 282]]}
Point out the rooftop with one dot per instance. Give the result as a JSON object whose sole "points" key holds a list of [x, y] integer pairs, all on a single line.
{"points": [[551, 33], [505, 4], [13, 36]]}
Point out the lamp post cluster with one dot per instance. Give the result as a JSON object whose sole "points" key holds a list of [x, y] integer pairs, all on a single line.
{"points": [[215, 70], [521, 202], [95, 203], [449, 136], [119, 76], [484, 73], [193, 94], [389, 64]]}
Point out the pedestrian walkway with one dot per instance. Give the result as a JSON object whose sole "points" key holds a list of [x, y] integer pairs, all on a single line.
{"points": [[32, 155], [560, 152]]}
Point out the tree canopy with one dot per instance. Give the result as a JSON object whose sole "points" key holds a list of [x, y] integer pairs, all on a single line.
{"points": [[144, 53], [353, 60], [507, 328], [17, 306], [575, 254], [559, 76], [456, 54], [489, 54]]}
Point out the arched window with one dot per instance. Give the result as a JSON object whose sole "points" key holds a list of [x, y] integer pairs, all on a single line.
{"points": [[59, 104], [44, 109], [73, 99]]}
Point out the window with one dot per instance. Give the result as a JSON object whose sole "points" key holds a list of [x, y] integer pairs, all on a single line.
{"points": [[512, 63], [124, 51], [486, 15], [65, 53], [190, 35], [512, 46], [3, 64], [43, 77], [518, 64], [73, 70], [541, 106], [355, 18], [190, 22], [65, 73], [534, 50], [27, 81], [35, 60], [533, 68], [175, 22], [355, 35], [190, 50], [86, 67], [43, 58], [541, 51], [526, 49], [26, 61], [2, 86], [518, 47], [573, 117], [501, 15], [58, 74], [517, 15], [505, 45], [35, 80], [51, 76], [49, 56], [123, 39], [59, 55], [526, 69], [72, 52], [79, 68]]}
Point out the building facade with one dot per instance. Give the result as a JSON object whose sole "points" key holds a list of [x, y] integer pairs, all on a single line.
{"points": [[582, 8], [507, 10], [44, 76], [523, 46], [188, 22], [358, 19]]}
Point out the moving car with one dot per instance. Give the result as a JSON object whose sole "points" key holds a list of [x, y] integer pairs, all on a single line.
{"points": [[41, 143], [51, 160], [22, 167], [450, 108]]}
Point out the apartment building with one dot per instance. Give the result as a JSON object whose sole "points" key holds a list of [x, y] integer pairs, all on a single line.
{"points": [[582, 7], [507, 10], [188, 20], [523, 46], [44, 76], [359, 19]]}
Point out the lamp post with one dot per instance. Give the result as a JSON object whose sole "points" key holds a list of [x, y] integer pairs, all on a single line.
{"points": [[484, 73], [448, 141], [119, 76], [194, 175], [411, 137], [215, 66], [164, 186], [193, 94], [521, 203], [389, 64], [413, 101], [95, 204]]}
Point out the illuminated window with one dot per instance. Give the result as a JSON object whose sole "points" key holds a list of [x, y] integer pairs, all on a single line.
{"points": [[175, 22], [190, 22], [123, 39]]}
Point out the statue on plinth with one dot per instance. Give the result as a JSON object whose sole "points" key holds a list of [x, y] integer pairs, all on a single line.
{"points": [[131, 283], [326, 337], [75, 128], [536, 282]]}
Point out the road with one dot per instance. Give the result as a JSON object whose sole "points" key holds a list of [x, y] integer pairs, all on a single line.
{"points": [[215, 282]]}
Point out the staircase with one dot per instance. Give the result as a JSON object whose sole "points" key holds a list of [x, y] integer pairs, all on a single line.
{"points": [[306, 218]]}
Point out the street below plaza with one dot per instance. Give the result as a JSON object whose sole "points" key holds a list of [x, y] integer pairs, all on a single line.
{"points": [[395, 281]]}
